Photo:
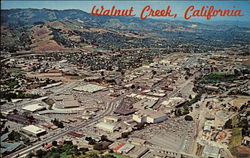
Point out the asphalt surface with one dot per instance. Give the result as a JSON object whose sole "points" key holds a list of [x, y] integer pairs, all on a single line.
{"points": [[111, 106]]}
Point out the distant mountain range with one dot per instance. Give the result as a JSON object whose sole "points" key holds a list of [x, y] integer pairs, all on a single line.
{"points": [[49, 30]]}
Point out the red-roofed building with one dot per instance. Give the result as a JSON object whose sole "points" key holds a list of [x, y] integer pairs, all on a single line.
{"points": [[118, 147], [78, 135], [47, 146]]}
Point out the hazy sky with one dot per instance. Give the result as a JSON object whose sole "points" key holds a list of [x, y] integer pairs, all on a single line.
{"points": [[177, 6]]}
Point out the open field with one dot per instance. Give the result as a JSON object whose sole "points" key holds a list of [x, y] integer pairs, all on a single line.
{"points": [[236, 138]]}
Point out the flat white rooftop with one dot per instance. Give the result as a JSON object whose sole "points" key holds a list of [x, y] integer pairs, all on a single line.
{"points": [[105, 126], [89, 88], [33, 107], [33, 129]]}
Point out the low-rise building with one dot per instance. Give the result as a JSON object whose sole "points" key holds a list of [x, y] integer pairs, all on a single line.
{"points": [[125, 148], [110, 119], [149, 116], [246, 141], [136, 141], [211, 152], [33, 107], [20, 119], [106, 126], [138, 151], [89, 88], [33, 130]]}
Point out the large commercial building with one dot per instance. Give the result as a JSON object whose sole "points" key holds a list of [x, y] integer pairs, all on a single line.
{"points": [[149, 116], [89, 88], [33, 107], [106, 126], [211, 152], [66, 101], [33, 130], [110, 119]]}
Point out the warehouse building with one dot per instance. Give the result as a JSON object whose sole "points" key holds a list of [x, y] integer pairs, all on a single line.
{"points": [[33, 130], [89, 88], [173, 102], [66, 101], [149, 116], [10, 147], [106, 127], [34, 107], [138, 151], [211, 152], [110, 119], [125, 148]]}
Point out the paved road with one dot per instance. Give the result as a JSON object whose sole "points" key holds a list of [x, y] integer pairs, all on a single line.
{"points": [[111, 106], [173, 93]]}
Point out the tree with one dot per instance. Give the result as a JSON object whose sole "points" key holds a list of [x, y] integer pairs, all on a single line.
{"points": [[68, 142], [15, 111], [55, 155], [122, 73], [30, 155], [190, 96], [188, 118], [57, 123], [98, 146], [243, 123], [153, 72], [109, 156], [228, 124], [185, 110], [14, 135], [104, 138], [177, 112], [54, 143], [102, 73], [92, 142], [88, 138], [93, 155], [40, 153], [133, 86], [83, 150], [6, 130]]}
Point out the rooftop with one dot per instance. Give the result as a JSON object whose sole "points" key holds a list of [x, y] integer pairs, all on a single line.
{"points": [[151, 113], [105, 125], [211, 151], [33, 107], [33, 129], [89, 88]]}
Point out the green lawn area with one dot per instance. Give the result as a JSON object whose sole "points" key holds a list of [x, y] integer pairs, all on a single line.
{"points": [[236, 138], [64, 155], [218, 77], [76, 77], [92, 151], [235, 121], [13, 83], [118, 155], [14, 70]]}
